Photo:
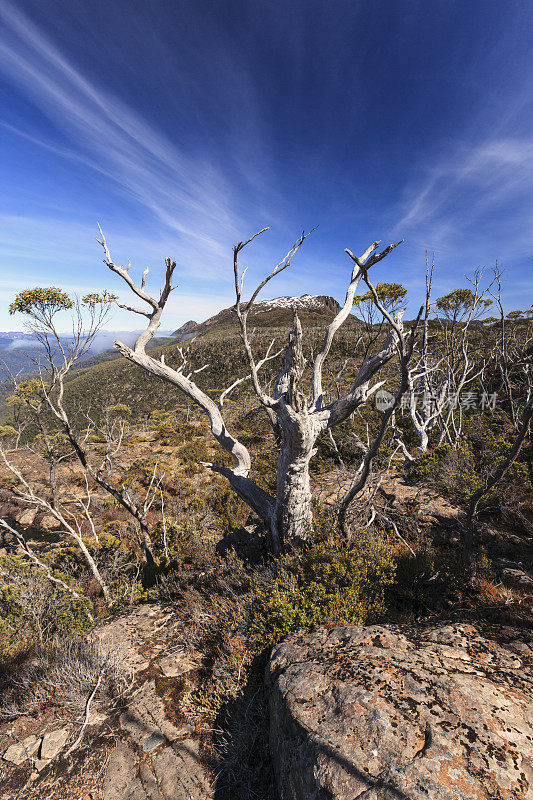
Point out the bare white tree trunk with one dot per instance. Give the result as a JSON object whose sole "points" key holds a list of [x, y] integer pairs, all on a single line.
{"points": [[294, 514], [296, 420]]}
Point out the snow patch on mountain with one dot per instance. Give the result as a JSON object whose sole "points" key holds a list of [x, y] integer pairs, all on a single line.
{"points": [[311, 302]]}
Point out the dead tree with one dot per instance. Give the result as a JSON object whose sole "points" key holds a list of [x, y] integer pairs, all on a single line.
{"points": [[68, 521], [428, 375], [513, 351], [53, 363], [37, 562], [442, 371], [404, 346], [492, 480], [297, 420]]}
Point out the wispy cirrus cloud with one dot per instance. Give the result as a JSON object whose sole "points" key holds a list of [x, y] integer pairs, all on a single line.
{"points": [[51, 243], [187, 195], [193, 126], [486, 187]]}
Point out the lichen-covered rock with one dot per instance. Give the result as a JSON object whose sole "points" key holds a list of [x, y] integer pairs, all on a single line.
{"points": [[53, 742], [20, 752], [176, 773], [27, 517], [386, 713], [49, 523], [177, 664]]}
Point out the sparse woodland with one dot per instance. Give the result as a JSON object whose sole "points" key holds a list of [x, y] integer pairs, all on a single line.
{"points": [[284, 472]]}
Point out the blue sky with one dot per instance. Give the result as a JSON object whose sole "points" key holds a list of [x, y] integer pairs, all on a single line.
{"points": [[184, 126]]}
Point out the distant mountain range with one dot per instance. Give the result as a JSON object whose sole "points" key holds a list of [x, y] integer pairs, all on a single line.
{"points": [[266, 313], [104, 376], [18, 348]]}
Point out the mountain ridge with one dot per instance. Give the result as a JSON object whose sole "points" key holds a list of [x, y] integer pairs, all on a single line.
{"points": [[278, 311], [105, 376]]}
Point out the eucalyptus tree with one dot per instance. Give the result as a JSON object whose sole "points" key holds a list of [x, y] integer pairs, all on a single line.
{"points": [[59, 436], [298, 411], [53, 361]]}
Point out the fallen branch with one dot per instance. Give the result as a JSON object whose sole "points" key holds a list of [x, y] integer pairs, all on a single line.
{"points": [[87, 712]]}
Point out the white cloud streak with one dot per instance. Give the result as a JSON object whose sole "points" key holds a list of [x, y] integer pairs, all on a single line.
{"points": [[188, 195], [490, 184], [56, 246]]}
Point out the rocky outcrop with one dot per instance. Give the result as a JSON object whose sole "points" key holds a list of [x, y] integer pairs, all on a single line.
{"points": [[186, 328], [140, 747], [159, 757], [174, 773], [20, 752], [40, 750], [402, 714]]}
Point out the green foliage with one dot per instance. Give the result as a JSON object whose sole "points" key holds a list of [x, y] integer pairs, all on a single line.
{"points": [[171, 427], [120, 410], [460, 470], [192, 454], [514, 315], [232, 512], [6, 431], [47, 300], [92, 300], [390, 295], [328, 583], [106, 540], [29, 391], [457, 304], [237, 612], [33, 610], [452, 469]]}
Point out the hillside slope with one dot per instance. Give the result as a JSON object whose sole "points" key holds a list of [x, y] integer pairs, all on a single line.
{"points": [[311, 308], [107, 378]]}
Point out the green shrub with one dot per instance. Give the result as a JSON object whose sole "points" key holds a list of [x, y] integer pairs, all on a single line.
{"points": [[231, 511], [234, 613], [460, 470], [33, 610], [328, 583]]}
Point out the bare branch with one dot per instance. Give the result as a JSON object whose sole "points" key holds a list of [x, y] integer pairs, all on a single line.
{"points": [[364, 262], [259, 364]]}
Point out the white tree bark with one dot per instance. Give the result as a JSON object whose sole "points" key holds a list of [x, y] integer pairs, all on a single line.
{"points": [[296, 420]]}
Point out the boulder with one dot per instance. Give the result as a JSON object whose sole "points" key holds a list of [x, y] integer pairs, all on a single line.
{"points": [[180, 774], [517, 578], [53, 742], [122, 780], [146, 714], [49, 523], [394, 713], [27, 517], [20, 752]]}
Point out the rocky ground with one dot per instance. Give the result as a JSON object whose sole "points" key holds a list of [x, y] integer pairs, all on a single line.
{"points": [[375, 713], [438, 710], [140, 748], [389, 714]]}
